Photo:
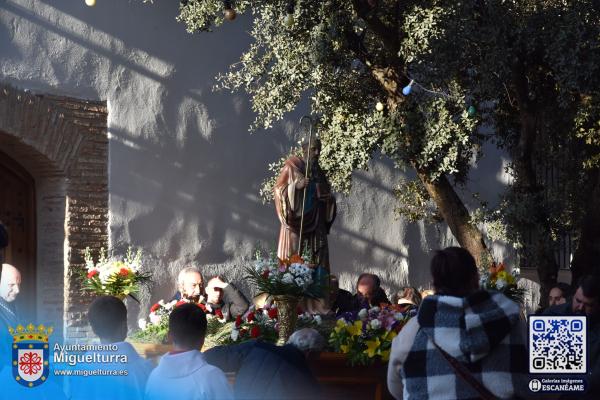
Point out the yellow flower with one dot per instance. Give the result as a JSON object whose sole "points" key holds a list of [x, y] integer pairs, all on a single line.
{"points": [[385, 355], [345, 348], [339, 326], [355, 329], [390, 335], [372, 346]]}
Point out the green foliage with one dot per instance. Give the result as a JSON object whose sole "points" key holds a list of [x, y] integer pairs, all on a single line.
{"points": [[512, 60], [414, 202], [321, 57]]}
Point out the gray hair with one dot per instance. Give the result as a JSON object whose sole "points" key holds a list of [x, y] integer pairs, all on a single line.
{"points": [[307, 340], [184, 272]]}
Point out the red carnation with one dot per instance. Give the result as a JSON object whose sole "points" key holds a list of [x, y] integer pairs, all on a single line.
{"points": [[180, 302], [154, 307], [250, 317], [123, 272], [202, 307], [92, 273], [265, 274], [255, 332], [272, 313], [219, 313], [238, 321]]}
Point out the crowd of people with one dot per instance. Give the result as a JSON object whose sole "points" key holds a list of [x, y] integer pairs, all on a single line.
{"points": [[462, 343]]}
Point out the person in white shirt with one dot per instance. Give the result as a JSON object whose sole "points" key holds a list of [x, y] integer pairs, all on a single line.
{"points": [[107, 316], [184, 373]]}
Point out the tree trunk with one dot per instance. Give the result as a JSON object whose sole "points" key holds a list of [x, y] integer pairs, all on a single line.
{"points": [[526, 184], [456, 215], [586, 259]]}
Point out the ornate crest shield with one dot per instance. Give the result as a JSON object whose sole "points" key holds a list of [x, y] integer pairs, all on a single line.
{"points": [[30, 354]]}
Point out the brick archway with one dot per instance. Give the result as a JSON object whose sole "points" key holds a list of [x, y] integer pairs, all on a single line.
{"points": [[63, 143]]}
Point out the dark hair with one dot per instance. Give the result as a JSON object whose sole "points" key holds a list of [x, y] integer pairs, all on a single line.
{"points": [[590, 285], [564, 288], [187, 326], [453, 271], [410, 293], [106, 315]]}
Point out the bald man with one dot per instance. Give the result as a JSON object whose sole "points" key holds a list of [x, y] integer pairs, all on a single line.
{"points": [[10, 281]]}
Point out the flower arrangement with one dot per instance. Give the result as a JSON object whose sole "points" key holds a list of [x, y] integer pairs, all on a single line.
{"points": [[367, 335], [263, 324], [114, 278], [155, 330], [289, 277], [498, 279]]}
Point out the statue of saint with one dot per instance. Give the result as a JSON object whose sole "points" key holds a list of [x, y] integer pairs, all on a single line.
{"points": [[319, 207]]}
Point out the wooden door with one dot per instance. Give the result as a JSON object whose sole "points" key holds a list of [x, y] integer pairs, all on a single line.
{"points": [[17, 212]]}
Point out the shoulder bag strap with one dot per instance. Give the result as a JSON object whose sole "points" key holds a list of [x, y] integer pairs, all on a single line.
{"points": [[466, 376]]}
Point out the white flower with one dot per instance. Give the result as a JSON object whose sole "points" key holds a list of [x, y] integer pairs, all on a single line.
{"points": [[398, 316], [300, 282], [318, 319], [142, 323], [235, 334], [375, 324], [154, 318], [287, 278], [374, 309], [500, 283], [362, 314]]}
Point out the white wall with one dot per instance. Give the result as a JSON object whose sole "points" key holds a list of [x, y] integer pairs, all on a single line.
{"points": [[184, 171]]}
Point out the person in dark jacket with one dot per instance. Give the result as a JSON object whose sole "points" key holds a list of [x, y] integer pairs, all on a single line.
{"points": [[341, 300], [266, 371], [586, 301], [369, 292]]}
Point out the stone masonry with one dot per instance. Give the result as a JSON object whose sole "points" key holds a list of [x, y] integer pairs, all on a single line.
{"points": [[63, 143]]}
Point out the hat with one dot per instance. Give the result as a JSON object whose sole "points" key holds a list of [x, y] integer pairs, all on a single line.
{"points": [[403, 301]]}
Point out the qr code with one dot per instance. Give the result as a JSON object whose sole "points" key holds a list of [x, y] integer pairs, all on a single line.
{"points": [[557, 345]]}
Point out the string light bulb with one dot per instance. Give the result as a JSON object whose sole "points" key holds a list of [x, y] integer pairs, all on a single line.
{"points": [[288, 20], [472, 111], [379, 106], [90, 3], [229, 13], [408, 88]]}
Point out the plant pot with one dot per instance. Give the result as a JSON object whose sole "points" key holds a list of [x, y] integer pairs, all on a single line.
{"points": [[287, 315]]}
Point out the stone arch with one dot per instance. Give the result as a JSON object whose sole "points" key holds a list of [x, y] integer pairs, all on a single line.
{"points": [[63, 143]]}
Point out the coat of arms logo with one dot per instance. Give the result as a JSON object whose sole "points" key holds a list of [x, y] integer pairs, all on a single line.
{"points": [[30, 349]]}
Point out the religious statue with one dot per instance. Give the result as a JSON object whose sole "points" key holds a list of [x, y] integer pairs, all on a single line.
{"points": [[294, 188]]}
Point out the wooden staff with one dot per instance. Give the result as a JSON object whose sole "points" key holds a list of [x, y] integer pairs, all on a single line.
{"points": [[306, 176]]}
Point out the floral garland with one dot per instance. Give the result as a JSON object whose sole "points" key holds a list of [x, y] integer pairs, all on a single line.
{"points": [[263, 324], [155, 330]]}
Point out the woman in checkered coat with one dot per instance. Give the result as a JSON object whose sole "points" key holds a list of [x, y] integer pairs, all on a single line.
{"points": [[465, 343]]}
